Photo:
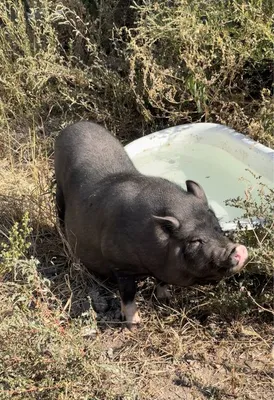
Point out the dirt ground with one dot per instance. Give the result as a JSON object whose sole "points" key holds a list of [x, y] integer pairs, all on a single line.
{"points": [[172, 356]]}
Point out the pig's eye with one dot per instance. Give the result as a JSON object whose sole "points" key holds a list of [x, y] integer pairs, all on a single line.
{"points": [[195, 243]]}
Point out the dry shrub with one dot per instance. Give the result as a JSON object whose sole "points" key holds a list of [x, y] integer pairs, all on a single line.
{"points": [[138, 68], [52, 64], [192, 60], [260, 239]]}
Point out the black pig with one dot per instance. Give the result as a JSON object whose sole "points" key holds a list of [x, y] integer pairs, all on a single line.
{"points": [[121, 223]]}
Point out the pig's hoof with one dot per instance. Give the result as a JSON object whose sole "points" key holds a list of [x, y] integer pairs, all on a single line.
{"points": [[134, 319], [163, 292], [133, 322], [130, 315]]}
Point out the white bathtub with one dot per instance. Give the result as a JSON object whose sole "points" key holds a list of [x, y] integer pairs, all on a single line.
{"points": [[222, 160]]}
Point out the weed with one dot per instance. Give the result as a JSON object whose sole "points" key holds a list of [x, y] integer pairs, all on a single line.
{"points": [[18, 244]]}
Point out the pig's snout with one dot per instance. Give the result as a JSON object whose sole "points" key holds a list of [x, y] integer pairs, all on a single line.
{"points": [[237, 258]]}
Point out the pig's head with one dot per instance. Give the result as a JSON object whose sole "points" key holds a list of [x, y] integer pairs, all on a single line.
{"points": [[196, 244]]}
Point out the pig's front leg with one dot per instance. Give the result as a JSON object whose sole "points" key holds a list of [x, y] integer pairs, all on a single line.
{"points": [[127, 289]]}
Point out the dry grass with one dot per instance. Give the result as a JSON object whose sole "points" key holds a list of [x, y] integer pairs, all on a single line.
{"points": [[60, 331]]}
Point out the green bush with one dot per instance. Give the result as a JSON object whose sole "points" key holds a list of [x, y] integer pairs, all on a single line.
{"points": [[209, 60], [138, 68], [52, 66]]}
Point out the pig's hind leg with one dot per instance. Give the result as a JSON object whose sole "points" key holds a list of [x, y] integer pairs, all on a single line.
{"points": [[60, 205], [127, 289]]}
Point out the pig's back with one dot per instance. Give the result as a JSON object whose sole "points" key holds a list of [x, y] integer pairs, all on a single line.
{"points": [[86, 151]]}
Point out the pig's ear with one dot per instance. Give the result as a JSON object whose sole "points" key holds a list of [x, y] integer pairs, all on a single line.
{"points": [[197, 190], [169, 224]]}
